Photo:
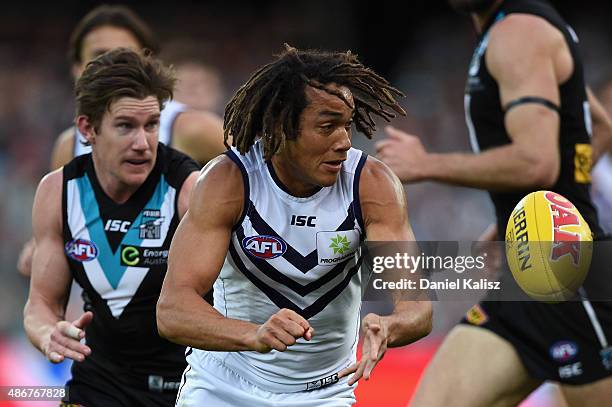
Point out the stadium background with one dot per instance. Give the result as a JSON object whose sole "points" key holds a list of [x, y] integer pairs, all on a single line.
{"points": [[423, 47]]}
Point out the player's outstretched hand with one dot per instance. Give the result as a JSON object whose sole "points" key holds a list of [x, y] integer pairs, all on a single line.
{"points": [[282, 330], [403, 153], [372, 351], [64, 340]]}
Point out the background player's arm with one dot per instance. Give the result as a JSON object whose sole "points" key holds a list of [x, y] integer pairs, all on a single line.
{"points": [[602, 127], [385, 216], [197, 254], [50, 283], [199, 135], [63, 149], [527, 57]]}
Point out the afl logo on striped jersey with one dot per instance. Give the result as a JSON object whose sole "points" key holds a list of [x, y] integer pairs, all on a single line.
{"points": [[81, 250], [264, 247]]}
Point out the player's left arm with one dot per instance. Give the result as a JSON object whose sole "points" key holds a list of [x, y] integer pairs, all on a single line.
{"points": [[602, 128], [385, 216], [199, 135]]}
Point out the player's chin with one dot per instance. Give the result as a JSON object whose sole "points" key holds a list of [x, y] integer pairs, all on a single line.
{"points": [[136, 176], [327, 179]]}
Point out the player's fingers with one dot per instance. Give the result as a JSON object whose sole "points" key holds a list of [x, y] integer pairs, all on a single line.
{"points": [[309, 333], [55, 357], [348, 370], [395, 134], [68, 353], [84, 320], [273, 343], [285, 337], [383, 145], [297, 318], [57, 337], [358, 374], [293, 328], [368, 367], [70, 330]]}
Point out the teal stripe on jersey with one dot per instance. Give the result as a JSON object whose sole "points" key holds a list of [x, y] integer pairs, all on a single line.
{"points": [[111, 261]]}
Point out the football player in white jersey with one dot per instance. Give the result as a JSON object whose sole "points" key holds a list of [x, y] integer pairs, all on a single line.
{"points": [[198, 134], [275, 225]]}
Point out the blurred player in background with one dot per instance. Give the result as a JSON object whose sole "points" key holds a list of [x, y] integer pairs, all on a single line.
{"points": [[199, 85], [602, 170], [198, 134], [106, 220], [527, 110], [291, 199]]}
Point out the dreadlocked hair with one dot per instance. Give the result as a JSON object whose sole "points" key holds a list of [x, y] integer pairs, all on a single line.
{"points": [[268, 106]]}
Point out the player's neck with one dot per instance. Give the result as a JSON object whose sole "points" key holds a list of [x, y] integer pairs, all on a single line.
{"points": [[482, 19], [116, 190], [294, 185]]}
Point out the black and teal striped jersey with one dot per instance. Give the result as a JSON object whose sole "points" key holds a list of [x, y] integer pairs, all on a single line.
{"points": [[485, 116], [118, 253]]}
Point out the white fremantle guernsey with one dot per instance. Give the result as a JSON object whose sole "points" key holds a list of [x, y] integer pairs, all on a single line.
{"points": [[296, 253]]}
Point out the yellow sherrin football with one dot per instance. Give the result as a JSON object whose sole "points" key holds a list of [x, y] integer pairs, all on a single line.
{"points": [[548, 246]]}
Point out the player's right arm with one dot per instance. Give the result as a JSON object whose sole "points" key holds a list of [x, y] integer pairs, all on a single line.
{"points": [[50, 281], [62, 154], [63, 149], [527, 57], [197, 253]]}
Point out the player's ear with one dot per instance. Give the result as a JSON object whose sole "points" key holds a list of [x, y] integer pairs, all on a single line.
{"points": [[86, 128]]}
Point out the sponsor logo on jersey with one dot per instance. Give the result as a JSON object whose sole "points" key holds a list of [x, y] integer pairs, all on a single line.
{"points": [[81, 250], [476, 315], [135, 256], [303, 220], [582, 163], [336, 246], [264, 246], [150, 225], [326, 381], [116, 225], [158, 384], [563, 351], [571, 370]]}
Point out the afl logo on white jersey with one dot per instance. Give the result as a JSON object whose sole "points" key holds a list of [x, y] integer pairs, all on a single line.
{"points": [[264, 247]]}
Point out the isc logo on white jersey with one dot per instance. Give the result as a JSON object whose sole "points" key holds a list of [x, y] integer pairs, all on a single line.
{"points": [[264, 247], [115, 225]]}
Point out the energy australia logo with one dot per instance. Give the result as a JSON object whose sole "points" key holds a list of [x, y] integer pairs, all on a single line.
{"points": [[150, 225], [135, 256], [336, 246]]}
